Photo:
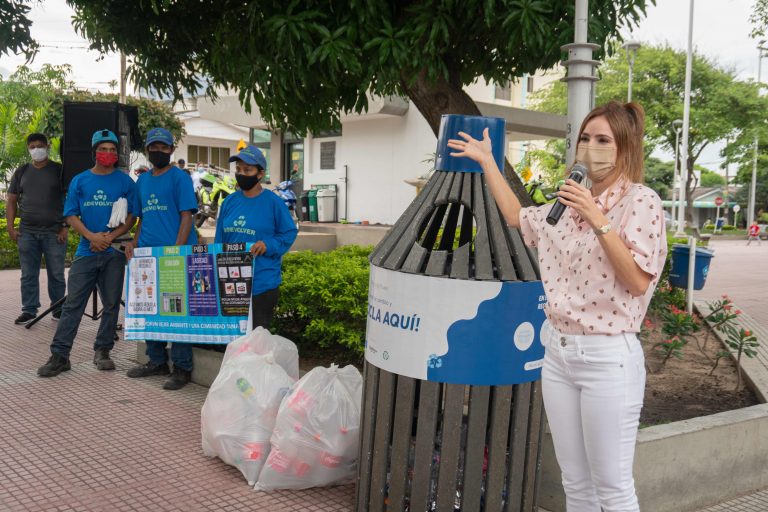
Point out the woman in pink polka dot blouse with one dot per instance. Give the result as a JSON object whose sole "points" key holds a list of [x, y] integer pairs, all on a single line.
{"points": [[599, 266]]}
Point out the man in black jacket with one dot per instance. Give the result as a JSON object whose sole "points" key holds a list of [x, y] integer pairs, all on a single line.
{"points": [[37, 194]]}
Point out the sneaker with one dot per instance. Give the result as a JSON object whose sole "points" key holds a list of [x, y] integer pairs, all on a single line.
{"points": [[55, 365], [24, 318], [56, 315], [102, 361], [147, 370], [178, 379]]}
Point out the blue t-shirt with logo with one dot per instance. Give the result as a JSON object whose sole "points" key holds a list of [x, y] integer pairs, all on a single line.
{"points": [[250, 219], [161, 199], [90, 197]]}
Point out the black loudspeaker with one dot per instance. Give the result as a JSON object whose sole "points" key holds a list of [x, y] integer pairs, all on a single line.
{"points": [[81, 119]]}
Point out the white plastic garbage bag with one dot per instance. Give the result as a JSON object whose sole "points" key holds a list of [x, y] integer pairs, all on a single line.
{"points": [[315, 439], [239, 413], [260, 341]]}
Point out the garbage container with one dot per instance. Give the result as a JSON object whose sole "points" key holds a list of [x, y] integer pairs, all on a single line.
{"points": [[452, 410], [304, 206], [678, 276], [326, 205], [719, 223], [313, 205]]}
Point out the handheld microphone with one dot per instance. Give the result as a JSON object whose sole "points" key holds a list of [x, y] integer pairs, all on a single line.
{"points": [[578, 172]]}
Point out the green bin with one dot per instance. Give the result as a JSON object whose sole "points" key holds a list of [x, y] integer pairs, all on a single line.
{"points": [[313, 205]]}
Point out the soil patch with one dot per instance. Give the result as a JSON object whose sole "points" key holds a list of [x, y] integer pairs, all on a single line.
{"points": [[683, 388]]}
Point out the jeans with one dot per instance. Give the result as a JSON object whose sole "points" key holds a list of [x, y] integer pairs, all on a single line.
{"points": [[32, 247], [263, 306], [104, 271], [593, 390], [181, 354]]}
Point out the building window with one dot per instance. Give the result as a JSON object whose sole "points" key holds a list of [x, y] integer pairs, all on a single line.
{"points": [[328, 155], [529, 84], [503, 91], [218, 157]]}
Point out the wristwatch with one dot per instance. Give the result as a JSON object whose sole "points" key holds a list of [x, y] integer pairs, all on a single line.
{"points": [[602, 230]]}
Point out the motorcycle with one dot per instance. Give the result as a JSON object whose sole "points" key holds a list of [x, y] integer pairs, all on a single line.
{"points": [[213, 190], [536, 193], [284, 190]]}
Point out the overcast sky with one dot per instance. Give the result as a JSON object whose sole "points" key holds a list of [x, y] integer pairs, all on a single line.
{"points": [[721, 31]]}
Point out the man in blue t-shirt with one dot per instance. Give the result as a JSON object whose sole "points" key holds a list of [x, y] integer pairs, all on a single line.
{"points": [[254, 214], [88, 209], [166, 208]]}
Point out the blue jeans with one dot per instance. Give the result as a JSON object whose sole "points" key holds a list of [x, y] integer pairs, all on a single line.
{"points": [[32, 248], [104, 271], [181, 354]]}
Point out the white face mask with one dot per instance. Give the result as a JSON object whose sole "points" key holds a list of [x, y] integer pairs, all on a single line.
{"points": [[38, 154]]}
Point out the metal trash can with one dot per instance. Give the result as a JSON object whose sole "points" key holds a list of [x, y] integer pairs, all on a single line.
{"points": [[313, 205], [303, 210], [452, 411], [326, 204]]}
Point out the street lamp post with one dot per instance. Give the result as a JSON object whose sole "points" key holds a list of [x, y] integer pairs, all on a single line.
{"points": [[677, 125], [686, 123], [631, 47], [752, 186]]}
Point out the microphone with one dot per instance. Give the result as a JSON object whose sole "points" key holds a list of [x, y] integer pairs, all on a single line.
{"points": [[577, 174]]}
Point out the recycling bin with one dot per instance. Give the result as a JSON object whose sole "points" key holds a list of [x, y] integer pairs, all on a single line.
{"points": [[304, 206], [313, 205], [678, 275], [452, 409], [326, 204]]}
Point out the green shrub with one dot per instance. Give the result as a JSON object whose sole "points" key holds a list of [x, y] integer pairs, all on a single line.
{"points": [[324, 299], [728, 227], [9, 252]]}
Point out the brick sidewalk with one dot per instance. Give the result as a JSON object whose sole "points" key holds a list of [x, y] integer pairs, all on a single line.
{"points": [[98, 441]]}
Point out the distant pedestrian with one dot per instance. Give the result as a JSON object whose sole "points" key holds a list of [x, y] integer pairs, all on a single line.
{"points": [[37, 194], [753, 233]]}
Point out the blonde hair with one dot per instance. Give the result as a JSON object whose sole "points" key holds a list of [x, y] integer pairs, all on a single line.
{"points": [[627, 122]]}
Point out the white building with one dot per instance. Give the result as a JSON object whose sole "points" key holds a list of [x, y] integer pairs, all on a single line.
{"points": [[374, 154]]}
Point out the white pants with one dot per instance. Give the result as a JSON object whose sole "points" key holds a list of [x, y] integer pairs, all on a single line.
{"points": [[593, 390]]}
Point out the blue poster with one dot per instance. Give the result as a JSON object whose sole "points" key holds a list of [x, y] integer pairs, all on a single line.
{"points": [[192, 293]]}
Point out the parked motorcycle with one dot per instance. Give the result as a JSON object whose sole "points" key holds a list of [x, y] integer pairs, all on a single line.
{"points": [[213, 190], [536, 193], [284, 190]]}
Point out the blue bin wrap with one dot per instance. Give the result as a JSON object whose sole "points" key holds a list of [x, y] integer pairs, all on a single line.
{"points": [[452, 124], [678, 276]]}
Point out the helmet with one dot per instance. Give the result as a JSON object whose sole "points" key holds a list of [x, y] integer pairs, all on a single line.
{"points": [[100, 136]]}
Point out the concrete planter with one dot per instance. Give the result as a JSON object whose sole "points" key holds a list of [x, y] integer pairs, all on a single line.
{"points": [[206, 363], [686, 465]]}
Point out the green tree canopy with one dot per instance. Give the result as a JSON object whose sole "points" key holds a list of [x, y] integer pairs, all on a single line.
{"points": [[659, 175], [722, 107], [304, 62], [711, 179]]}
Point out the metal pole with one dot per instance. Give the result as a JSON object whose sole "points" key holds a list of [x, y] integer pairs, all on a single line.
{"points": [[122, 77], [629, 84], [675, 174], [686, 122], [580, 79], [631, 47], [752, 185], [691, 272]]}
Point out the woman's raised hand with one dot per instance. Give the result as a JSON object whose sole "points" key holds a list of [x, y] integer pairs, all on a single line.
{"points": [[477, 150]]}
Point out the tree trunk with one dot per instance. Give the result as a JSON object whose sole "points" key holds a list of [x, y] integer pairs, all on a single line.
{"points": [[433, 99]]}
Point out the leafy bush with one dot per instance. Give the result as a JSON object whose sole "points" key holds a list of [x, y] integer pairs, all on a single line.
{"points": [[728, 227], [9, 251], [324, 299]]}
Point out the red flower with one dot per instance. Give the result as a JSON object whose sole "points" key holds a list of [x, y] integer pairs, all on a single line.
{"points": [[737, 312], [727, 307], [747, 333], [648, 324]]}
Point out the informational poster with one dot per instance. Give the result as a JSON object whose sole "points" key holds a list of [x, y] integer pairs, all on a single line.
{"points": [[455, 331], [194, 294]]}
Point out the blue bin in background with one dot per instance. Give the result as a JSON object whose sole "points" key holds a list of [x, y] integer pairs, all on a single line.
{"points": [[452, 124], [678, 276]]}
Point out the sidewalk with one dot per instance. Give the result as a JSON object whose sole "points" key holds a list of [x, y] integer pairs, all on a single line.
{"points": [[98, 441]]}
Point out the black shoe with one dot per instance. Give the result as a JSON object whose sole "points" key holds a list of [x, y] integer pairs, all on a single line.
{"points": [[55, 365], [24, 318], [178, 379], [147, 370], [102, 361], [56, 315]]}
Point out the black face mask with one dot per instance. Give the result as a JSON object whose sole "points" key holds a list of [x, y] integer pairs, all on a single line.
{"points": [[159, 159], [246, 182]]}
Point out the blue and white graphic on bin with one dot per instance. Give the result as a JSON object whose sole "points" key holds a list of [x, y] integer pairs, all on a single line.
{"points": [[455, 331], [189, 293], [452, 124]]}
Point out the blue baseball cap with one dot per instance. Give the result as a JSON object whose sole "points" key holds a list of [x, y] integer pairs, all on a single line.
{"points": [[252, 156], [100, 136], [159, 135]]}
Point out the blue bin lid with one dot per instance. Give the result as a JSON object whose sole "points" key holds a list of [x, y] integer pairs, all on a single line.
{"points": [[700, 251], [452, 124]]}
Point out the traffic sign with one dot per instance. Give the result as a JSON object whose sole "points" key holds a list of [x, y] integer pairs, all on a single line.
{"points": [[719, 201], [736, 208]]}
